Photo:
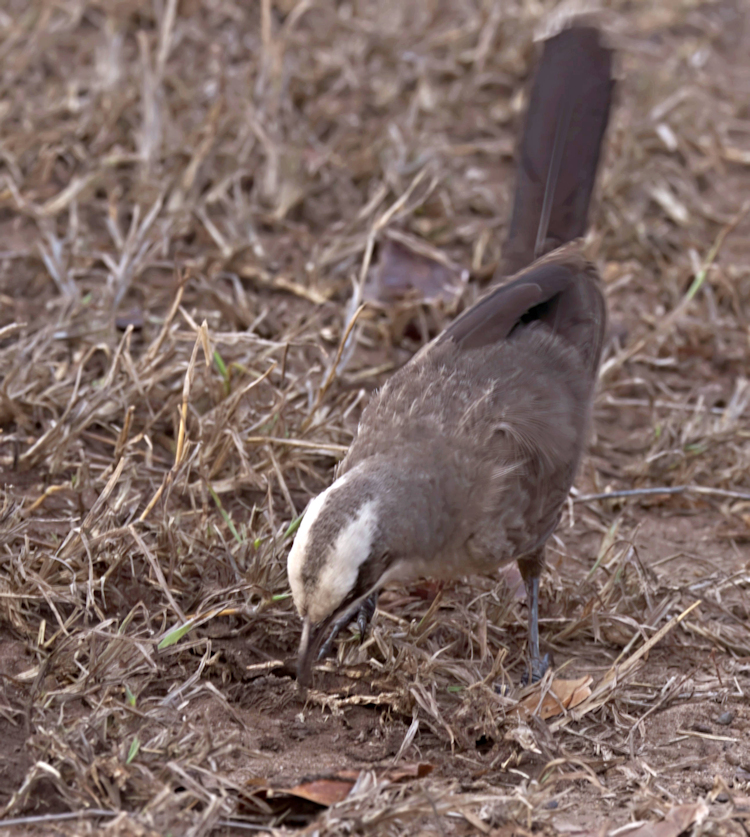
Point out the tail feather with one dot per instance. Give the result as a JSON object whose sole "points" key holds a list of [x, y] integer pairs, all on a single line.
{"points": [[559, 151]]}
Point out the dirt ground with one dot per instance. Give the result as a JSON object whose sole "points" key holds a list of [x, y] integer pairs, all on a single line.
{"points": [[192, 194]]}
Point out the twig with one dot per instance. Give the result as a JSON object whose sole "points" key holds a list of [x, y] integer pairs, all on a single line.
{"points": [[296, 443], [67, 815], [249, 826], [664, 489], [619, 671], [334, 366]]}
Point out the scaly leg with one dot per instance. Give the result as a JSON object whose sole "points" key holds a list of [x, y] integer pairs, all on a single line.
{"points": [[539, 665]]}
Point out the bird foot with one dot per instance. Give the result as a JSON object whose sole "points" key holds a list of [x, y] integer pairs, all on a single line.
{"points": [[538, 670], [364, 613]]}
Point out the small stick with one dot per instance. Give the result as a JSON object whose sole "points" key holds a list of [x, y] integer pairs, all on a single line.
{"points": [[334, 366], [297, 443], [201, 340], [664, 489]]}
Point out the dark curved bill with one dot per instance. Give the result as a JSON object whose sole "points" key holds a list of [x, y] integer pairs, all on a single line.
{"points": [[312, 639], [311, 644]]}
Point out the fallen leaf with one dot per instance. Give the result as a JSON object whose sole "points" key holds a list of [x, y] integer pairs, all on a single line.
{"points": [[402, 272], [562, 694], [408, 771], [328, 790], [511, 575], [677, 820], [325, 792]]}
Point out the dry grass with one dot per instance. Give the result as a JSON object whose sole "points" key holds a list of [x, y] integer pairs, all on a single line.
{"points": [[193, 197]]}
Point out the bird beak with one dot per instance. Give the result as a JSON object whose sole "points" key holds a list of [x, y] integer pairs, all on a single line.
{"points": [[309, 646], [305, 655], [314, 635]]}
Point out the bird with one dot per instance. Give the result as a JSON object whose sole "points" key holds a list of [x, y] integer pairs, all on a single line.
{"points": [[463, 460]]}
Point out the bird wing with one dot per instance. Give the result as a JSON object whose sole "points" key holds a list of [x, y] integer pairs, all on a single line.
{"points": [[561, 292]]}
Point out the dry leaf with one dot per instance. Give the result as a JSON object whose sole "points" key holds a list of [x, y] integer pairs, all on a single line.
{"points": [[677, 820], [324, 792], [563, 694], [408, 771], [328, 790], [402, 272], [511, 575]]}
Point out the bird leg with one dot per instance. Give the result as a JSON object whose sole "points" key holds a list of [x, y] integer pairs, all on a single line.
{"points": [[538, 665], [364, 617], [364, 613]]}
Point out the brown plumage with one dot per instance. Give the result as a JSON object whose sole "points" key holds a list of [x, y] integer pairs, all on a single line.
{"points": [[558, 155], [462, 462]]}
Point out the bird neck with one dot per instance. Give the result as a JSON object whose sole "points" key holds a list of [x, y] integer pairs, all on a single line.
{"points": [[418, 491]]}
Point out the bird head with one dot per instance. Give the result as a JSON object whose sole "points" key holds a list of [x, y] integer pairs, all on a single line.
{"points": [[340, 555]]}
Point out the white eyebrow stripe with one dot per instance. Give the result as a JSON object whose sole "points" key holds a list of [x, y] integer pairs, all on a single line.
{"points": [[298, 553], [338, 575]]}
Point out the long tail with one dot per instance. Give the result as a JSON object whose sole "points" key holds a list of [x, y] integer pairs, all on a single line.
{"points": [[559, 151]]}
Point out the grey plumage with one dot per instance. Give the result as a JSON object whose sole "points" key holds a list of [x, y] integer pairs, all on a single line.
{"points": [[466, 455], [488, 424], [462, 462]]}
